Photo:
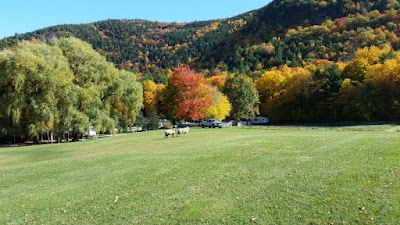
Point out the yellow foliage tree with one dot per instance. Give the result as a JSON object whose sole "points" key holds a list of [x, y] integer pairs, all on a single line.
{"points": [[385, 79], [220, 105], [272, 82], [279, 88], [386, 75], [168, 73], [149, 95], [371, 54]]}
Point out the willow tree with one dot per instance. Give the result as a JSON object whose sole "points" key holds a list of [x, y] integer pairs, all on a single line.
{"points": [[126, 99], [102, 95], [35, 84], [93, 76], [67, 84]]}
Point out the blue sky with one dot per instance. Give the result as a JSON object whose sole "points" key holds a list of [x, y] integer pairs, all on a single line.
{"points": [[29, 15]]}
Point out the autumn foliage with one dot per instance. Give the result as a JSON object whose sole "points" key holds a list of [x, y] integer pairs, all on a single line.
{"points": [[220, 106], [187, 95], [363, 89], [217, 81]]}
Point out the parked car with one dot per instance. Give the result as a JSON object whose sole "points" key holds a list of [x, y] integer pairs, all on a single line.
{"points": [[186, 124], [91, 132], [211, 123], [180, 125]]}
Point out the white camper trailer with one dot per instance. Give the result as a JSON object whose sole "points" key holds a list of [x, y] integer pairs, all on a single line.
{"points": [[259, 120]]}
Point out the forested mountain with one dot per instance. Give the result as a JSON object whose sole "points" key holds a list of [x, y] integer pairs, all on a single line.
{"points": [[294, 32], [140, 45], [290, 32]]}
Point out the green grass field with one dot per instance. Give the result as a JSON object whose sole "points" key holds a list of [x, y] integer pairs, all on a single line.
{"points": [[274, 175]]}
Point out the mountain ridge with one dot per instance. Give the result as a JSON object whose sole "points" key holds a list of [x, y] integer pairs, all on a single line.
{"points": [[284, 32], [142, 45]]}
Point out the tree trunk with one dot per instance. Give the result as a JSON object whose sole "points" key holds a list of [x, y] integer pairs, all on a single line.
{"points": [[75, 136], [51, 137]]}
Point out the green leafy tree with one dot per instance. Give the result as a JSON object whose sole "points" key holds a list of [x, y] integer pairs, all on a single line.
{"points": [[154, 120], [330, 77], [127, 99], [243, 96], [35, 84], [51, 88], [139, 121], [106, 97], [356, 70]]}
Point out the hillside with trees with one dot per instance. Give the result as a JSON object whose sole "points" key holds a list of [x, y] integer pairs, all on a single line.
{"points": [[284, 32], [295, 32], [143, 46], [300, 61]]}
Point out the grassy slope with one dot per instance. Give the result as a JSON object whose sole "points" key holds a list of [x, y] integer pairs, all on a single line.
{"points": [[216, 176]]}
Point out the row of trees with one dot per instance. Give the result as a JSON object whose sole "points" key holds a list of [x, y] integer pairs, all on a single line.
{"points": [[363, 89], [191, 97], [67, 85], [60, 86]]}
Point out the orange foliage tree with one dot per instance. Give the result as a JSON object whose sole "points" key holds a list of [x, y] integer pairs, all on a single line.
{"points": [[187, 95], [218, 81]]}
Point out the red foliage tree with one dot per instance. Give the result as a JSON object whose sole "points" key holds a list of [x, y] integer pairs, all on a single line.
{"points": [[187, 95]]}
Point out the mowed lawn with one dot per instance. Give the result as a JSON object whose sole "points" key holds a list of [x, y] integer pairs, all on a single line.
{"points": [[273, 175]]}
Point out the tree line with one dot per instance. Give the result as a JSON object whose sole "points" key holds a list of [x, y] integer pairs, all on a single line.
{"points": [[66, 85], [189, 96], [363, 89]]}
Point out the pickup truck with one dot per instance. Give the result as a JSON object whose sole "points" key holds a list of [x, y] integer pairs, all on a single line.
{"points": [[211, 123]]}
